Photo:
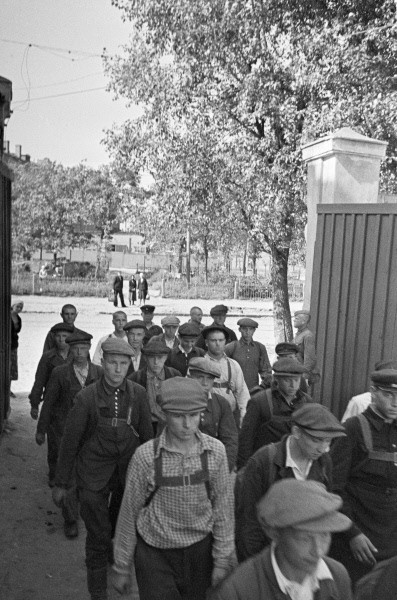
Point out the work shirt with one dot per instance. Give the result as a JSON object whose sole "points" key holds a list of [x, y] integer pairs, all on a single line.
{"points": [[174, 343], [179, 360], [179, 516], [252, 358], [98, 354], [233, 388], [306, 343], [47, 364], [217, 421]]}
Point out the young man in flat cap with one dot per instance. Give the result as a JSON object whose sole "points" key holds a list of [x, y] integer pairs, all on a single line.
{"points": [[147, 312], [63, 386], [170, 324], [365, 475], [176, 520], [180, 357], [119, 319], [68, 315], [304, 454], [218, 314], [306, 343], [109, 420], [269, 412], [299, 517], [152, 377], [290, 350], [250, 355], [217, 419], [136, 331]]}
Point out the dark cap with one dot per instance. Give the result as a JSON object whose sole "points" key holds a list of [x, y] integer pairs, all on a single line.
{"points": [[117, 346], [62, 327], [135, 324], [318, 421], [246, 322], [155, 348], [148, 308], [181, 394], [188, 330], [79, 337], [204, 365], [219, 309], [287, 367], [214, 327], [304, 505], [385, 379], [284, 348]]}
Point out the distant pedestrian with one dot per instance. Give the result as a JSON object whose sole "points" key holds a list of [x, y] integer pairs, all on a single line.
{"points": [[132, 290], [16, 326], [118, 289], [142, 288]]}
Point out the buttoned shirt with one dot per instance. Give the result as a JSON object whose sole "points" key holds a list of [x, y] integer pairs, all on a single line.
{"points": [[252, 358], [81, 374], [176, 517], [238, 395], [153, 388], [136, 360], [98, 354], [300, 474]]}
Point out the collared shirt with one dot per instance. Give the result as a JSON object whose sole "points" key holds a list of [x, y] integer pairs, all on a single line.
{"points": [[176, 517], [300, 474], [305, 340], [310, 584], [153, 389], [252, 358], [98, 354], [238, 393], [357, 405], [81, 374], [136, 360]]}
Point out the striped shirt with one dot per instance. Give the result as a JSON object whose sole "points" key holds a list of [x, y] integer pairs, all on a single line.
{"points": [[176, 517]]}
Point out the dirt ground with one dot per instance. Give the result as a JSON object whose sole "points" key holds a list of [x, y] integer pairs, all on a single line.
{"points": [[37, 562]]}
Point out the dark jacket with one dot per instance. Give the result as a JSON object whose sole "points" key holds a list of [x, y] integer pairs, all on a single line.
{"points": [[179, 361], [142, 285], [15, 329], [260, 426], [47, 364], [142, 365], [118, 283], [231, 337], [255, 579], [141, 375], [151, 332], [49, 342], [258, 476], [161, 338], [217, 420]]}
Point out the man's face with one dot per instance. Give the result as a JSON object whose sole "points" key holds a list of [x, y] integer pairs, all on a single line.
{"points": [[59, 338], [300, 320], [187, 342], [205, 379], [170, 331], [196, 315], [80, 353], [119, 320], [216, 342], [183, 426], [69, 315], [135, 337], [156, 363], [115, 368], [289, 386], [298, 552], [247, 333], [385, 402], [147, 317], [219, 319], [311, 446]]}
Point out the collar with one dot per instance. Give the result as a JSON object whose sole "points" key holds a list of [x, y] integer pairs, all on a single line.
{"points": [[151, 375], [223, 357], [310, 584], [203, 442], [251, 343], [289, 462], [376, 419]]}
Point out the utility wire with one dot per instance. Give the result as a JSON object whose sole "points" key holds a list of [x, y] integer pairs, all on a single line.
{"points": [[53, 49], [59, 95], [38, 87]]}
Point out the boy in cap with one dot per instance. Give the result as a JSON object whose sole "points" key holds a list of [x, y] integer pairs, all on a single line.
{"points": [[269, 411], [64, 383], [180, 357], [217, 419], [147, 312], [119, 319], [69, 315], [170, 324], [365, 475], [218, 314], [176, 519], [303, 455], [109, 420], [299, 517], [250, 355], [136, 331], [306, 343]]}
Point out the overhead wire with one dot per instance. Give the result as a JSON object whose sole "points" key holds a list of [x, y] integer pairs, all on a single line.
{"points": [[59, 95]]}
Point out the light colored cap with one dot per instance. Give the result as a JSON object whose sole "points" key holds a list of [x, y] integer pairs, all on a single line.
{"points": [[170, 320], [204, 365], [181, 394], [117, 346]]}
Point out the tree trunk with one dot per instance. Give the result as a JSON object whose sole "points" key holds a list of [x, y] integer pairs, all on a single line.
{"points": [[282, 314], [205, 245], [188, 256]]}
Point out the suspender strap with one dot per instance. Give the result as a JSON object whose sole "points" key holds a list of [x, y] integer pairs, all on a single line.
{"points": [[226, 384], [367, 435]]}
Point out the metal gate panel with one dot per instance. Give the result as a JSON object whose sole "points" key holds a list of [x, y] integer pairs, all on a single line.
{"points": [[354, 297]]}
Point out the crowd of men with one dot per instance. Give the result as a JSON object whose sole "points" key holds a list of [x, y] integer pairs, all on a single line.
{"points": [[201, 471]]}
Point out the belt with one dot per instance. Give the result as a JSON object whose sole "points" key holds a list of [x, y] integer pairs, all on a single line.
{"points": [[111, 421]]}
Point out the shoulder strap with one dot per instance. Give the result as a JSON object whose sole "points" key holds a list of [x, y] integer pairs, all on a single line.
{"points": [[374, 454], [272, 468]]}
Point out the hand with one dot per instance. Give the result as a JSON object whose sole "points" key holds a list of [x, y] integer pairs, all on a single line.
{"points": [[40, 438], [362, 549], [121, 583], [58, 495], [218, 574], [34, 413]]}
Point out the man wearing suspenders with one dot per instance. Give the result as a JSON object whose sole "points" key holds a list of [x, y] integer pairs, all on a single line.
{"points": [[176, 520], [365, 475]]}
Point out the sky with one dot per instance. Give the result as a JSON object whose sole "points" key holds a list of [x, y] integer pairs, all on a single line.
{"points": [[67, 128]]}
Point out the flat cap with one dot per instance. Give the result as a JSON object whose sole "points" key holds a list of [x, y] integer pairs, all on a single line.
{"points": [[181, 394], [219, 309], [385, 378], [247, 322], [304, 505], [302, 312], [385, 364], [284, 348], [79, 337], [189, 330], [147, 308], [287, 367], [117, 346], [204, 365], [155, 348], [62, 327], [318, 421], [170, 320], [134, 324], [214, 327]]}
